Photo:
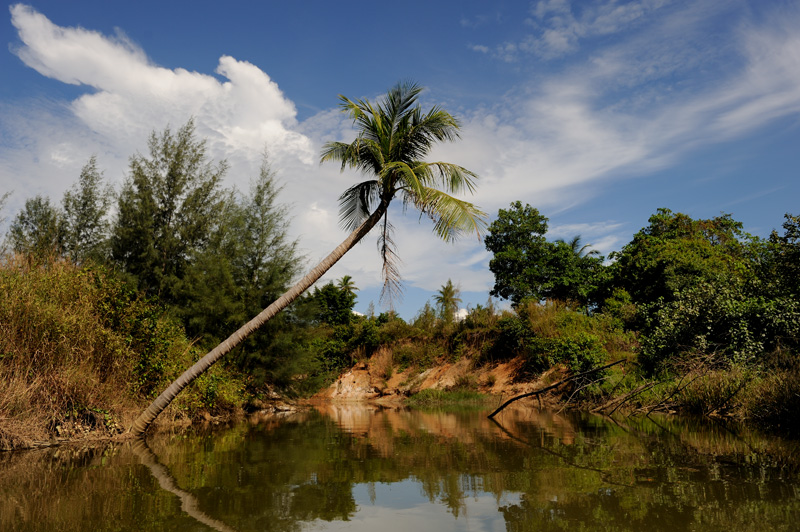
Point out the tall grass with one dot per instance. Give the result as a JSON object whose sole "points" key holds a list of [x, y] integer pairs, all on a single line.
{"points": [[78, 350]]}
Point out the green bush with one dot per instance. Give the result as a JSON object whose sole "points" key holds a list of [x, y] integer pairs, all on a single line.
{"points": [[580, 352], [725, 318]]}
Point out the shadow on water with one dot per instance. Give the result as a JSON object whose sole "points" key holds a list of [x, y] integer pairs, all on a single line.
{"points": [[360, 467]]}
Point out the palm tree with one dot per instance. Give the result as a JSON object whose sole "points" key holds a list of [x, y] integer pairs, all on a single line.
{"points": [[393, 138], [346, 284], [447, 299], [577, 249]]}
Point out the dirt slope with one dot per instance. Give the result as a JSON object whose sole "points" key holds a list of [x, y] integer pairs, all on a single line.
{"points": [[377, 379]]}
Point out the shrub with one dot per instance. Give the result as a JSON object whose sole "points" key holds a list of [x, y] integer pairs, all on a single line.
{"points": [[75, 342], [580, 352]]}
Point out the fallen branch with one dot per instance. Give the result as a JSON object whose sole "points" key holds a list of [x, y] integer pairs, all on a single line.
{"points": [[616, 402], [641, 389], [554, 386], [678, 389], [566, 403]]}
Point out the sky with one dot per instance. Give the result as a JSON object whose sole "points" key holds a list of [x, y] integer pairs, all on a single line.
{"points": [[597, 112]]}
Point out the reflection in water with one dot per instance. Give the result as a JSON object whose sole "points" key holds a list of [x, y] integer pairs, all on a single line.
{"points": [[356, 467], [189, 503]]}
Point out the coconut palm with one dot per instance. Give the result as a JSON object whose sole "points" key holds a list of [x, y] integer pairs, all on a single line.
{"points": [[447, 299], [578, 249], [394, 136], [346, 284]]}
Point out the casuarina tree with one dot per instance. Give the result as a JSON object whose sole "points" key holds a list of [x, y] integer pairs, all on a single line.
{"points": [[394, 136]]}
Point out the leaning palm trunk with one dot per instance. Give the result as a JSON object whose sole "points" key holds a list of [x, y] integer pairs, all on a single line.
{"points": [[167, 396]]}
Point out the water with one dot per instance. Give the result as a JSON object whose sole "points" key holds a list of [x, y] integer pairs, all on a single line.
{"points": [[360, 468]]}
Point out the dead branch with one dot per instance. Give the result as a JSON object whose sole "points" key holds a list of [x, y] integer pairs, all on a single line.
{"points": [[579, 389], [554, 386], [619, 401]]}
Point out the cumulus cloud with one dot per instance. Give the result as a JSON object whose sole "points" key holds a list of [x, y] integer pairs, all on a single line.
{"points": [[130, 95]]}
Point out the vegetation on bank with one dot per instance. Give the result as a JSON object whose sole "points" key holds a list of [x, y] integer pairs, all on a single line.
{"points": [[99, 311]]}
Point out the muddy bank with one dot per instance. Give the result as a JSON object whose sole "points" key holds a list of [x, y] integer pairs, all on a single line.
{"points": [[378, 379]]}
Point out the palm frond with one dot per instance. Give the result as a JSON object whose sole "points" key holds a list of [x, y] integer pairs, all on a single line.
{"points": [[357, 202], [392, 282], [398, 174], [394, 137], [451, 177], [336, 151], [451, 216]]}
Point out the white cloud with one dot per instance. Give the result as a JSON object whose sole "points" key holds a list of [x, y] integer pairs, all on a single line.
{"points": [[131, 96], [558, 27]]}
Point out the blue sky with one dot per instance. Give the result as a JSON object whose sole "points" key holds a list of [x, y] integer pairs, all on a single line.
{"points": [[595, 112]]}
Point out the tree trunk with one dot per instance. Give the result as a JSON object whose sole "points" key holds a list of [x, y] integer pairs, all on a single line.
{"points": [[167, 396]]}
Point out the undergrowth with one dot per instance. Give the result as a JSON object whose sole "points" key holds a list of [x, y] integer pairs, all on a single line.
{"points": [[78, 350]]}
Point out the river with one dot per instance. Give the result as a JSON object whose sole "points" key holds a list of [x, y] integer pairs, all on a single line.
{"points": [[365, 468]]}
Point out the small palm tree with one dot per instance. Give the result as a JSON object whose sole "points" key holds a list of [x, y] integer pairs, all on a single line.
{"points": [[447, 300], [579, 250], [393, 138], [346, 284]]}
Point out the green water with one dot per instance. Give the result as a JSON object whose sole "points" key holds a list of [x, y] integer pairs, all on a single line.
{"points": [[357, 468]]}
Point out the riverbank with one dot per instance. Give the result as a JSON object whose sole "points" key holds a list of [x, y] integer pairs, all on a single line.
{"points": [[758, 398]]}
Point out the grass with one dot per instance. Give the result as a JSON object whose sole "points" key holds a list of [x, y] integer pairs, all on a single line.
{"points": [[80, 352], [436, 397]]}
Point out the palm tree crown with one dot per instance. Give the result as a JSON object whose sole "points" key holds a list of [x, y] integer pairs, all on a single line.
{"points": [[394, 136], [447, 299]]}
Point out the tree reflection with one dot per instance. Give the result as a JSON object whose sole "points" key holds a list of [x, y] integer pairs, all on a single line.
{"points": [[542, 471]]}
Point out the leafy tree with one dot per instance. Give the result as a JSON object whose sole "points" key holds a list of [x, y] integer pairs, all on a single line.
{"points": [[525, 265], [38, 230], [248, 261], [447, 300], [576, 273], [699, 292], [393, 138], [783, 262], [516, 240], [85, 209], [166, 211], [675, 252], [334, 304], [726, 320]]}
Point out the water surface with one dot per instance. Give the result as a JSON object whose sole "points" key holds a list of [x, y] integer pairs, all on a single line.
{"points": [[362, 468]]}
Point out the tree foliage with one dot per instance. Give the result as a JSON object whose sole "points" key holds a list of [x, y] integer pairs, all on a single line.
{"points": [[247, 261], [167, 211], [394, 136], [675, 252], [447, 299], [333, 303], [38, 231], [86, 207], [782, 265], [525, 265], [703, 289]]}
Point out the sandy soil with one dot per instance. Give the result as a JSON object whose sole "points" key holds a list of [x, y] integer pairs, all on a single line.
{"points": [[377, 379]]}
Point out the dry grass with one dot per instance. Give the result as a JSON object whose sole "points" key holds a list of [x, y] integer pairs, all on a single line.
{"points": [[59, 362], [71, 352]]}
